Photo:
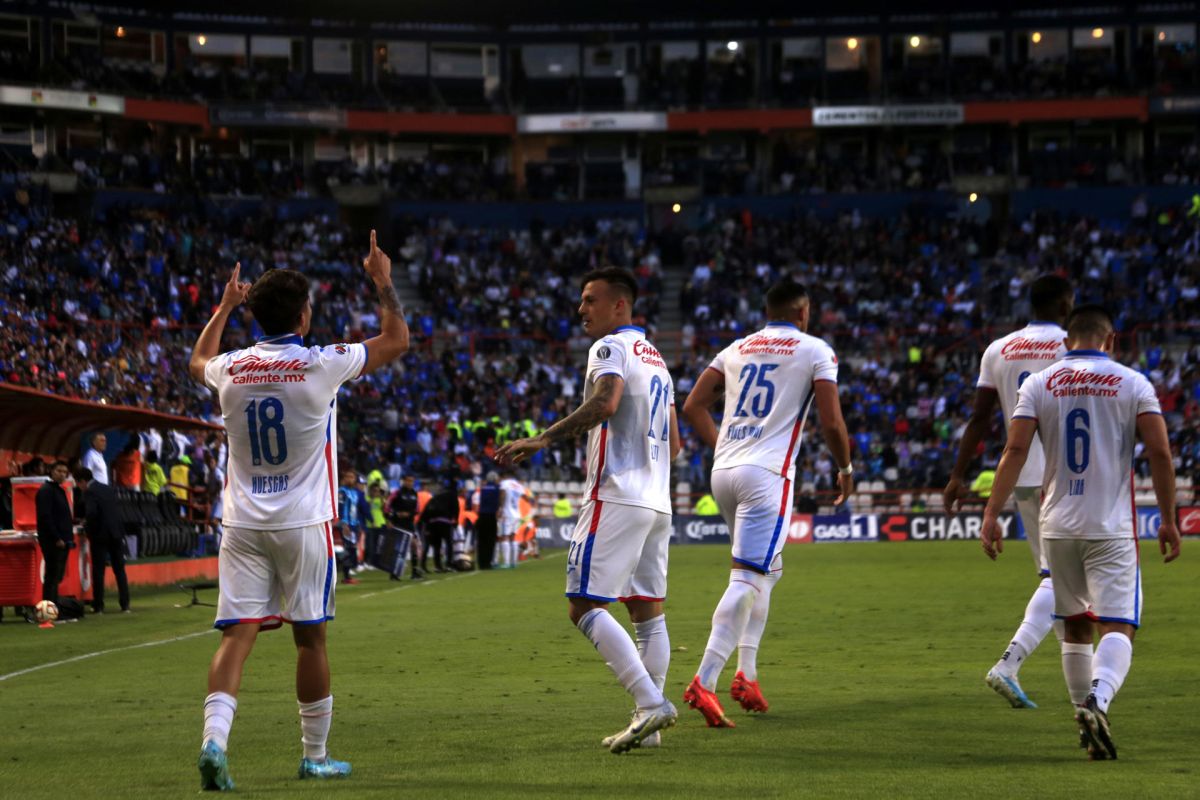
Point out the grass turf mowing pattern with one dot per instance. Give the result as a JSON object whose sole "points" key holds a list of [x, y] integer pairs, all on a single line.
{"points": [[478, 686]]}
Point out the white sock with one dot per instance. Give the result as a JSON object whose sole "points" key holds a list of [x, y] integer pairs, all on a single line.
{"points": [[654, 647], [506, 552], [1077, 669], [1039, 619], [1110, 665], [728, 623], [315, 719], [753, 632], [618, 651], [219, 709]]}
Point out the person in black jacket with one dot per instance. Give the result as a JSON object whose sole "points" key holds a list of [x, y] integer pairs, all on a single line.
{"points": [[107, 537], [54, 529], [485, 526], [401, 511], [440, 518]]}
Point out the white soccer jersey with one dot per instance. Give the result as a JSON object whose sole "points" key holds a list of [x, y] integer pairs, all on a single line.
{"points": [[1086, 409], [279, 403], [513, 492], [629, 455], [1006, 364], [769, 377]]}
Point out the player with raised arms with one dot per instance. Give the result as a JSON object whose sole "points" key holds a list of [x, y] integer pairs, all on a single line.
{"points": [[619, 548], [1006, 363], [769, 380], [276, 564], [1087, 411]]}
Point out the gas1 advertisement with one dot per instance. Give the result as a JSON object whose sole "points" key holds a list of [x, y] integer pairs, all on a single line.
{"points": [[883, 527]]}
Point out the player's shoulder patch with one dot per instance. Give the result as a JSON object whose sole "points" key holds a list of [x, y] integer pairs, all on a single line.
{"points": [[605, 347], [341, 349]]}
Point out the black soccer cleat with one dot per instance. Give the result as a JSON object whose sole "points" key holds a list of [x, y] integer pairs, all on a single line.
{"points": [[1094, 732]]}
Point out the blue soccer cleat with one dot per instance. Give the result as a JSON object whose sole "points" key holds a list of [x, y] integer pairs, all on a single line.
{"points": [[214, 769], [326, 768], [1008, 688]]}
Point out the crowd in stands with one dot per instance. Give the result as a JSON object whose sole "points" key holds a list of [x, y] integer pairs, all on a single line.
{"points": [[107, 309]]}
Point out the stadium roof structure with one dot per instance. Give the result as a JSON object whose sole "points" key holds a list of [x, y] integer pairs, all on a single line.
{"points": [[48, 424], [574, 13]]}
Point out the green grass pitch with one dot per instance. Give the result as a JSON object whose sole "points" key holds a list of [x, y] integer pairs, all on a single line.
{"points": [[478, 686]]}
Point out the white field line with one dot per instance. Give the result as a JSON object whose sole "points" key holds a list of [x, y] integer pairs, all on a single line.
{"points": [[86, 656], [158, 642]]}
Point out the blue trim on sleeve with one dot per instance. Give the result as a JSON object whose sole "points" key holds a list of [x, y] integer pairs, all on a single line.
{"points": [[1022, 416], [610, 372]]}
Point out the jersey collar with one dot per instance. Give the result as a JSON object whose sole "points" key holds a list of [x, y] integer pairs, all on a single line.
{"points": [[633, 328], [286, 338], [1086, 354], [782, 324], [1042, 322]]}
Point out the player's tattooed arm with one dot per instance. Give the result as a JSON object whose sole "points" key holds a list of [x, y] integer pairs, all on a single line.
{"points": [[389, 300], [595, 410], [606, 396]]}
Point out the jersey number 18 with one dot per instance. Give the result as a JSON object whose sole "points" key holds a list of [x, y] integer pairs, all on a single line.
{"points": [[264, 418]]}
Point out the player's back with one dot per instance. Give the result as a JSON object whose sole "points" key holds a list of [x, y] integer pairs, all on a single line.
{"points": [[1005, 365], [629, 455], [769, 377], [279, 404], [1086, 409], [513, 490]]}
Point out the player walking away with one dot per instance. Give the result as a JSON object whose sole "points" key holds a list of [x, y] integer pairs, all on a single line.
{"points": [[769, 380], [1086, 411], [619, 549], [279, 402], [1006, 363], [512, 491]]}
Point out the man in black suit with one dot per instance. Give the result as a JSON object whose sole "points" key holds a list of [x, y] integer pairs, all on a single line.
{"points": [[54, 529], [107, 536]]}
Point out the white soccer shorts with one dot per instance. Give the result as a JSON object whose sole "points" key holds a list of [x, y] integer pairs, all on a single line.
{"points": [[1099, 578], [272, 577], [618, 553], [757, 506], [1029, 506], [509, 527]]}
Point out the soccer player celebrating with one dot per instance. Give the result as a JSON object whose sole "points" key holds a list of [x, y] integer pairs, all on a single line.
{"points": [[1006, 363], [279, 402], [619, 549], [1086, 410], [768, 380]]}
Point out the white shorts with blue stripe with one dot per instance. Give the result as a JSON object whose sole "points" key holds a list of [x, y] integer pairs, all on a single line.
{"points": [[757, 506], [1096, 578], [618, 552], [272, 577]]}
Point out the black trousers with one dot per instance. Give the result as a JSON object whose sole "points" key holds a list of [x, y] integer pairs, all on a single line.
{"points": [[485, 540], [111, 551], [436, 535], [56, 568]]}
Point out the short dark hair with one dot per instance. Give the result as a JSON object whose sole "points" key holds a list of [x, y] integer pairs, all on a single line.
{"points": [[1089, 321], [783, 294], [83, 474], [276, 300], [618, 277], [58, 464], [1047, 291]]}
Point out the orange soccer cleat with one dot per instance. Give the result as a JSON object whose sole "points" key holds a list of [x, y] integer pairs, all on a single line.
{"points": [[748, 694], [706, 703]]}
